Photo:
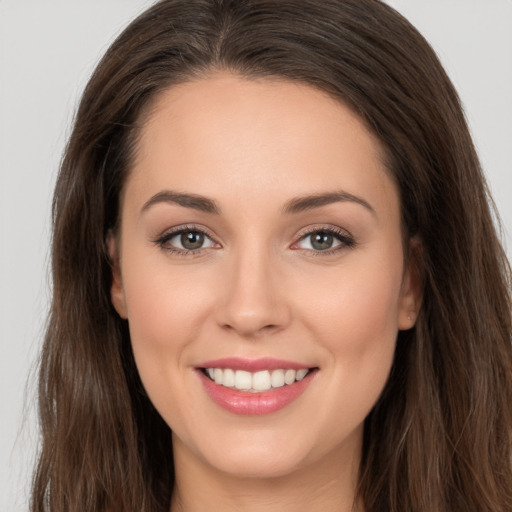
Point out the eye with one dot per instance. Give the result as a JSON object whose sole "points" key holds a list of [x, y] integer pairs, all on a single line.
{"points": [[186, 240], [324, 240]]}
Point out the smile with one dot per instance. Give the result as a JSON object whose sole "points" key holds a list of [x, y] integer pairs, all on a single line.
{"points": [[255, 382], [254, 387]]}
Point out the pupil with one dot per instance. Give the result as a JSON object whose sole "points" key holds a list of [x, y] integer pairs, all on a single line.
{"points": [[321, 241], [192, 240]]}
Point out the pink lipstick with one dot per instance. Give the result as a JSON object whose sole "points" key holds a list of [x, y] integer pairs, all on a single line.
{"points": [[254, 387]]}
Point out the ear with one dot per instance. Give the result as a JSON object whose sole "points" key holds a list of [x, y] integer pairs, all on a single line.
{"points": [[116, 289], [411, 293]]}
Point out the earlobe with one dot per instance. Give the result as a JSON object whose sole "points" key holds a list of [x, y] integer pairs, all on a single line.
{"points": [[116, 289], [411, 294]]}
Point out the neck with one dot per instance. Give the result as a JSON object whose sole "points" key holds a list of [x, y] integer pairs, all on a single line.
{"points": [[325, 485]]}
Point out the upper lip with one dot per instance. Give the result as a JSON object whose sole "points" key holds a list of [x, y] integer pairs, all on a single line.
{"points": [[253, 365]]}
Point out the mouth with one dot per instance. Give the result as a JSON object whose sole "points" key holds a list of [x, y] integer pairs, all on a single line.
{"points": [[255, 382], [256, 387]]}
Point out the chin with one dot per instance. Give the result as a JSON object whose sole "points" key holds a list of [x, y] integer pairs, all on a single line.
{"points": [[254, 466], [255, 455]]}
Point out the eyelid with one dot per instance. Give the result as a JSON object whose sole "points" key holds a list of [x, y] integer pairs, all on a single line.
{"points": [[168, 234], [346, 240], [342, 235]]}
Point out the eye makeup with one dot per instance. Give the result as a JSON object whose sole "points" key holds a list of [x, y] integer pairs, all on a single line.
{"points": [[190, 239]]}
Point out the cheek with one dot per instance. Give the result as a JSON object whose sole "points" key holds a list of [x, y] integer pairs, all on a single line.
{"points": [[355, 319], [165, 313], [163, 298], [357, 305]]}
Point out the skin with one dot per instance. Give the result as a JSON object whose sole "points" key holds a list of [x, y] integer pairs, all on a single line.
{"points": [[258, 288]]}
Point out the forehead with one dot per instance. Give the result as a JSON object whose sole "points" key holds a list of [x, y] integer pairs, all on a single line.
{"points": [[256, 138]]}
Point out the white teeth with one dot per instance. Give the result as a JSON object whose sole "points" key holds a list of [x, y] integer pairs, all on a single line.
{"points": [[261, 381], [277, 379], [229, 378], [301, 374], [289, 376], [243, 380], [257, 381], [218, 376]]}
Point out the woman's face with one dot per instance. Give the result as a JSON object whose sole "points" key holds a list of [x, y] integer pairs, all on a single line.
{"points": [[260, 236]]}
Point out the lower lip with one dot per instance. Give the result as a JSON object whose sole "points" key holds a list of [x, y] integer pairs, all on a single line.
{"points": [[255, 404]]}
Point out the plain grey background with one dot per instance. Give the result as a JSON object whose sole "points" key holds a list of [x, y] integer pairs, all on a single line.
{"points": [[47, 51]]}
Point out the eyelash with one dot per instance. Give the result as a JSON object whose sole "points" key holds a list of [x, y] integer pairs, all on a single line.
{"points": [[345, 239], [165, 238]]}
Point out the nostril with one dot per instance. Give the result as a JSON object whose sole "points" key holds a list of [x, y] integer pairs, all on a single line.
{"points": [[248, 330]]}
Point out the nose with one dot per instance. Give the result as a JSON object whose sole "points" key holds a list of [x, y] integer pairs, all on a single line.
{"points": [[254, 296]]}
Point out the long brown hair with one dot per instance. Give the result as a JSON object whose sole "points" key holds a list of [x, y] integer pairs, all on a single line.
{"points": [[439, 438]]}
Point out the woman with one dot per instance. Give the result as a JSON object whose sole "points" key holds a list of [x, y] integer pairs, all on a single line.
{"points": [[276, 278]]}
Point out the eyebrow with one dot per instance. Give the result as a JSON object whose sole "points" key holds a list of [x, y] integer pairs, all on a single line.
{"points": [[296, 205], [193, 201], [304, 203]]}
